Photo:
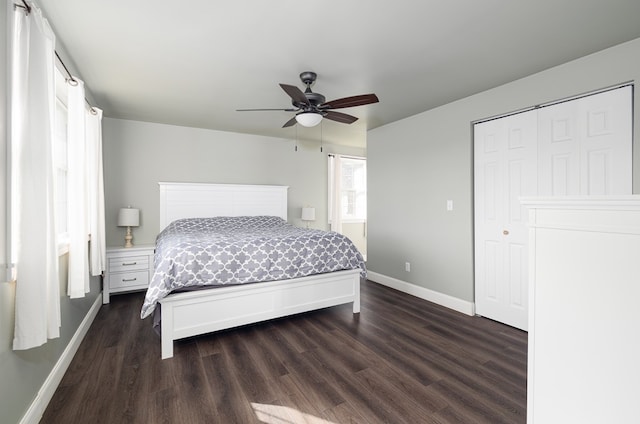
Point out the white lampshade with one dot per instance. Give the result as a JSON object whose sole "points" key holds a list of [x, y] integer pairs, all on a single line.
{"points": [[308, 214], [308, 119], [129, 217]]}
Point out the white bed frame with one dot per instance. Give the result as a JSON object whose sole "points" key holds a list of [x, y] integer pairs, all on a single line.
{"points": [[203, 311]]}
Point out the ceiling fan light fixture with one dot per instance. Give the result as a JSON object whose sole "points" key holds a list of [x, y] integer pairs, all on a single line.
{"points": [[308, 119]]}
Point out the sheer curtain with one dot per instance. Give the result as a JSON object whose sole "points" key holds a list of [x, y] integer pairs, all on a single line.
{"points": [[86, 191], [78, 283], [34, 248], [95, 191], [335, 191]]}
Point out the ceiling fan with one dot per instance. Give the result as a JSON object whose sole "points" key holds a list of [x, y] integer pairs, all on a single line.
{"points": [[311, 107]]}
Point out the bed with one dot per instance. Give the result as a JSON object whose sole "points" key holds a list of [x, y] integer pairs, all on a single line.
{"points": [[192, 208]]}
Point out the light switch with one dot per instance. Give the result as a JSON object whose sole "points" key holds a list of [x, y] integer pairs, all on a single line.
{"points": [[449, 205]]}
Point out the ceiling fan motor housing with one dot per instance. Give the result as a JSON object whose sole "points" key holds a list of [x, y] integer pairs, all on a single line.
{"points": [[308, 77], [314, 99]]}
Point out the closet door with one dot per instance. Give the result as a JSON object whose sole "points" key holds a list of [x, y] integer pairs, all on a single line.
{"points": [[585, 145], [505, 168], [577, 147]]}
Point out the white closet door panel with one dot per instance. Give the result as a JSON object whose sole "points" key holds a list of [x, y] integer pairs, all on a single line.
{"points": [[518, 276], [489, 164], [585, 145], [491, 265], [489, 220], [505, 161], [606, 142], [598, 172], [491, 185], [559, 150], [559, 175]]}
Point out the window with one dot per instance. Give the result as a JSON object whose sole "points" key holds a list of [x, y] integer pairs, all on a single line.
{"points": [[60, 164], [348, 187]]}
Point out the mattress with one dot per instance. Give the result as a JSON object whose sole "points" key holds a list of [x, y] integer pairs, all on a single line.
{"points": [[221, 251]]}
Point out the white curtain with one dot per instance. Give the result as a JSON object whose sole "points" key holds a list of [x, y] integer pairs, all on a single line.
{"points": [[86, 192], [95, 191], [335, 191], [33, 235], [78, 283]]}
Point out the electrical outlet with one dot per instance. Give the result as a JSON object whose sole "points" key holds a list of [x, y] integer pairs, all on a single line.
{"points": [[407, 266]]}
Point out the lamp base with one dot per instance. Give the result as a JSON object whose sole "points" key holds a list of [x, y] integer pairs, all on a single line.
{"points": [[128, 238]]}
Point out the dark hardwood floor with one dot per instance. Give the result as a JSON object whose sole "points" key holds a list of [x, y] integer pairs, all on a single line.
{"points": [[402, 360]]}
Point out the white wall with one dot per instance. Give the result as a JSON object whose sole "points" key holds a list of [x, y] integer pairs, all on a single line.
{"points": [[137, 155], [415, 165]]}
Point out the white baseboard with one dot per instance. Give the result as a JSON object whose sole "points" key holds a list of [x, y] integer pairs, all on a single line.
{"points": [[39, 404], [463, 306]]}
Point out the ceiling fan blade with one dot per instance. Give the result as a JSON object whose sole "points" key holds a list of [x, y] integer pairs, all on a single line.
{"points": [[363, 99], [295, 93], [340, 117], [259, 110], [291, 122]]}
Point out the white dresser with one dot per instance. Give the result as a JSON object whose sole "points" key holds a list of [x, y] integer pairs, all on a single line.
{"points": [[128, 269], [584, 325]]}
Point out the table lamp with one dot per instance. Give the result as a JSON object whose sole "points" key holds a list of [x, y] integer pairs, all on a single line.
{"points": [[308, 214], [128, 217]]}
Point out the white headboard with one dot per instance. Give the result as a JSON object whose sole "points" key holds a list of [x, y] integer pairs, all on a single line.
{"points": [[201, 200]]}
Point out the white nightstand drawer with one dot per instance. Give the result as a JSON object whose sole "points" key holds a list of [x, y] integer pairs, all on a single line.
{"points": [[128, 263], [129, 279], [128, 269]]}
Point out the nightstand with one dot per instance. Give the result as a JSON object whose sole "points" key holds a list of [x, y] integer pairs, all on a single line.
{"points": [[128, 269]]}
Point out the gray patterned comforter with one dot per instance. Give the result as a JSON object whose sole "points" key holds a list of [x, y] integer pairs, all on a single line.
{"points": [[247, 249]]}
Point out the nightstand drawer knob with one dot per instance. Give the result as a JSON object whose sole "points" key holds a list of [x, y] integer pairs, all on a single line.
{"points": [[129, 263], [126, 280]]}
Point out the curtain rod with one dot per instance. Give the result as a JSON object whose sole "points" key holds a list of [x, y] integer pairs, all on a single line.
{"points": [[70, 79]]}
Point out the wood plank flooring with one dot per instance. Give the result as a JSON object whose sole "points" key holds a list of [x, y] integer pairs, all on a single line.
{"points": [[401, 360]]}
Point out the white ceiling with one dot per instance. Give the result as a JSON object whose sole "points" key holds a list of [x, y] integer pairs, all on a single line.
{"points": [[193, 63]]}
